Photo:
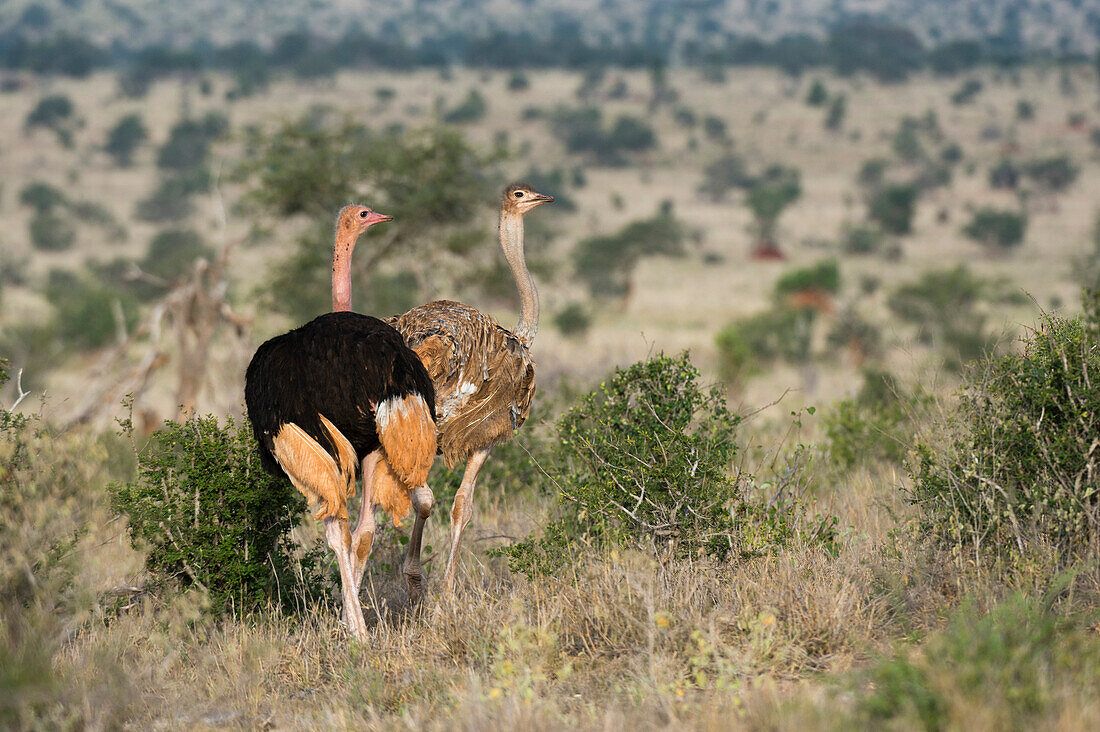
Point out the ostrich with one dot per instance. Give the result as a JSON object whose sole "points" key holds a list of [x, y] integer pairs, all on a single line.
{"points": [[483, 373], [341, 386]]}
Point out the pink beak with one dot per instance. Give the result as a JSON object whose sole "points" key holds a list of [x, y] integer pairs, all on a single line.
{"points": [[376, 218]]}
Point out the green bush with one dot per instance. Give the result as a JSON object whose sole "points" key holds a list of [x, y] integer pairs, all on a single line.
{"points": [[1019, 664], [997, 229], [518, 82], [52, 112], [779, 334], [606, 263], [966, 93], [472, 109], [125, 137], [876, 425], [209, 517], [818, 94], [52, 232], [188, 143], [41, 197], [823, 277], [861, 240], [724, 174], [838, 110], [573, 320], [645, 461], [892, 207], [1021, 469], [173, 253], [86, 311], [1054, 173]]}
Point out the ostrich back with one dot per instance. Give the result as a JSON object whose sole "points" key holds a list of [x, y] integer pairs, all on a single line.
{"points": [[340, 365], [483, 374]]}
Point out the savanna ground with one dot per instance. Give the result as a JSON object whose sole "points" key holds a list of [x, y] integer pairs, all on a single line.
{"points": [[879, 626]]}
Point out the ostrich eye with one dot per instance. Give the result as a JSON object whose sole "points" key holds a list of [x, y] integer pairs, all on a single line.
{"points": [[362, 214], [519, 194]]}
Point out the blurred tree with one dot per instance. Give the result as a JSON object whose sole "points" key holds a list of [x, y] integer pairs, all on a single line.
{"points": [[770, 195], [606, 263], [996, 229], [892, 207], [125, 137], [818, 95]]}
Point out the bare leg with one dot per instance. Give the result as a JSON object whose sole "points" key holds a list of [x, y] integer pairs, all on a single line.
{"points": [[339, 538], [422, 500], [460, 512], [362, 537]]}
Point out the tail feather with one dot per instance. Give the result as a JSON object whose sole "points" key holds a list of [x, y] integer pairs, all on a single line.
{"points": [[312, 471], [345, 455], [390, 493], [407, 433]]}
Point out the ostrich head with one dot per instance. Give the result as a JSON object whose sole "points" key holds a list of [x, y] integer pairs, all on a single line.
{"points": [[520, 198], [356, 219]]}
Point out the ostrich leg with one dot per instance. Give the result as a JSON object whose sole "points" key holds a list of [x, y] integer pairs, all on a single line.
{"points": [[460, 512], [339, 538], [362, 537], [422, 501]]}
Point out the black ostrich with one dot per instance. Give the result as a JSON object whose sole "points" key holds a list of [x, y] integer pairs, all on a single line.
{"points": [[342, 386]]}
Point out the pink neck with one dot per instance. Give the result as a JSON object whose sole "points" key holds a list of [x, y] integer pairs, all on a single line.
{"points": [[341, 271]]}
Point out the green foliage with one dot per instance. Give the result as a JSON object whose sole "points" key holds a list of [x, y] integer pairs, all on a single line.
{"points": [[1005, 174], [724, 174], [997, 229], [892, 208], [430, 180], [874, 426], [1019, 662], [172, 200], [821, 277], [188, 144], [943, 306], [1052, 174], [861, 240], [818, 94], [52, 112], [52, 232], [778, 334], [714, 128], [472, 109], [966, 93], [606, 263], [87, 312], [173, 252], [573, 320], [41, 197], [209, 517], [125, 137], [1020, 469], [838, 110], [582, 131], [518, 82], [778, 188], [645, 461]]}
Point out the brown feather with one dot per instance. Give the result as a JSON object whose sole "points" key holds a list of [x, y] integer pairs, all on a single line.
{"points": [[483, 375], [345, 454], [390, 493], [312, 471]]}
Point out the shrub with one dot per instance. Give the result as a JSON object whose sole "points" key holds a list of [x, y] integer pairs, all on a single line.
{"points": [[125, 137], [770, 195], [517, 82], [1054, 173], [188, 143], [892, 207], [52, 232], [633, 134], [209, 517], [606, 263], [86, 311], [818, 95], [823, 277], [724, 174], [861, 240], [942, 304], [1021, 467], [573, 320], [171, 201], [714, 128], [173, 252], [472, 109], [1005, 174], [645, 462], [51, 112], [838, 110], [966, 93], [781, 333], [875, 425], [997, 229], [42, 197], [1016, 666]]}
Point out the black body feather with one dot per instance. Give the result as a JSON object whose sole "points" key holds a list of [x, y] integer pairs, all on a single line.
{"points": [[340, 365]]}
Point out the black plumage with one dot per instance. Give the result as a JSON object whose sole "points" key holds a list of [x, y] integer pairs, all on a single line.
{"points": [[341, 365]]}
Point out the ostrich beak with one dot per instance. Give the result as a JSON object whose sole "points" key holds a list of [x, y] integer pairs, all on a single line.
{"points": [[541, 198], [376, 218]]}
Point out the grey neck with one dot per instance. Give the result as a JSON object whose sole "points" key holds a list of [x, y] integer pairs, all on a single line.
{"points": [[511, 241]]}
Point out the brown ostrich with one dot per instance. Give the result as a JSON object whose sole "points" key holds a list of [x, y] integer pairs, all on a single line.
{"points": [[483, 374]]}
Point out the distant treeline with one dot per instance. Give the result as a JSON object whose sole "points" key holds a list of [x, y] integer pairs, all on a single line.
{"points": [[887, 52]]}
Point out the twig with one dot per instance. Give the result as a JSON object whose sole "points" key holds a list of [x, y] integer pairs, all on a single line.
{"points": [[19, 387]]}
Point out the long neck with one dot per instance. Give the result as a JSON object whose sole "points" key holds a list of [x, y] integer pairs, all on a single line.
{"points": [[511, 241], [341, 270]]}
